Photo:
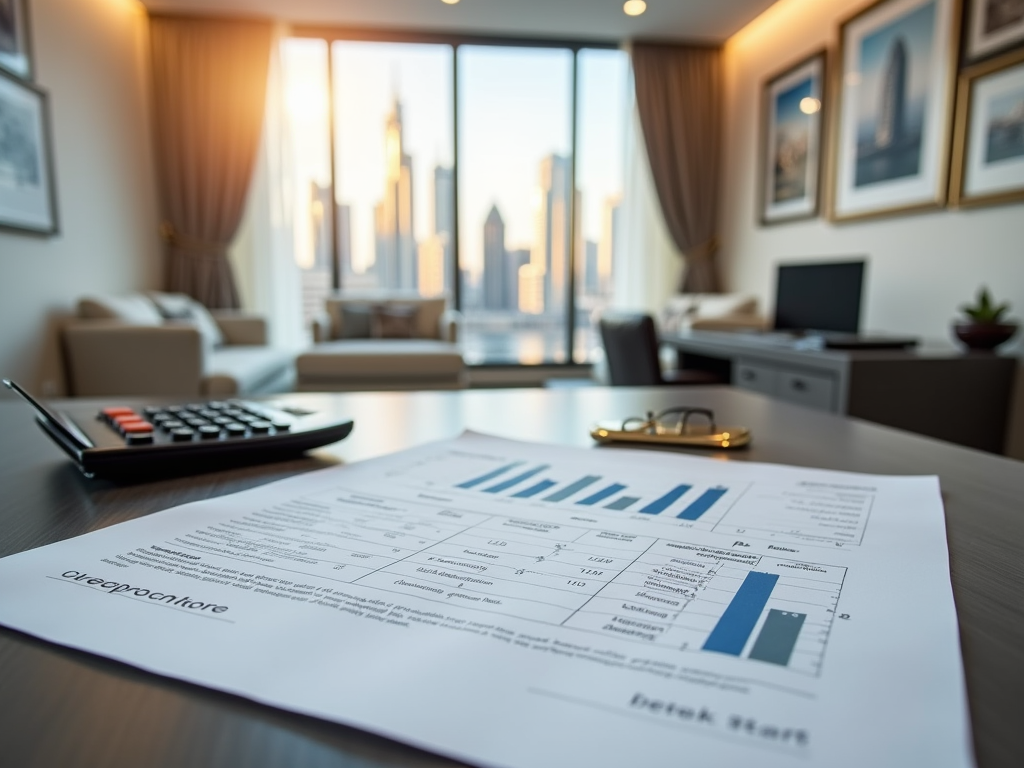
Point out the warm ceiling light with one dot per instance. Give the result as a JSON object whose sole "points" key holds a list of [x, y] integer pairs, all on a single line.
{"points": [[449, 2], [809, 105], [634, 7]]}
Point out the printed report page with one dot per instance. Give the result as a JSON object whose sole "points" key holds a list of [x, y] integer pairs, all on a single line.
{"points": [[522, 605]]}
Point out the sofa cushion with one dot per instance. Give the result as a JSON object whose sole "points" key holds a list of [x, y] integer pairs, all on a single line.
{"points": [[249, 366], [179, 307], [134, 308], [356, 320], [367, 359], [394, 322]]}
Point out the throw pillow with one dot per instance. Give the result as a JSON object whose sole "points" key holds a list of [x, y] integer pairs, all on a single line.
{"points": [[356, 321], [134, 309], [183, 308], [394, 322]]}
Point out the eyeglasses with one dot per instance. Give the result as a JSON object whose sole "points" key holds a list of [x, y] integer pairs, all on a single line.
{"points": [[673, 426]]}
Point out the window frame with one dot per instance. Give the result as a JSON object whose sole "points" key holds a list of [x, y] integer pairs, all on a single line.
{"points": [[331, 34]]}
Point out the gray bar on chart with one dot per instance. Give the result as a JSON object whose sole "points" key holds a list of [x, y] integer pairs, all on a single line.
{"points": [[533, 490], [777, 637], [624, 502], [572, 488]]}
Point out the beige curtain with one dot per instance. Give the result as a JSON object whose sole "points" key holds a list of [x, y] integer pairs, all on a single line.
{"points": [[679, 98], [209, 86]]}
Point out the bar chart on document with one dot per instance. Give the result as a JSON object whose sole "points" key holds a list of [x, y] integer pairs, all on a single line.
{"points": [[798, 512], [657, 590]]}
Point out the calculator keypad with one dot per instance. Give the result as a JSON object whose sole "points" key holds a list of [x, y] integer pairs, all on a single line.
{"points": [[193, 422]]}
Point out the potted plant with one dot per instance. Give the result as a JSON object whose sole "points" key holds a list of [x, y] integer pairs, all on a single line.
{"points": [[984, 328]]}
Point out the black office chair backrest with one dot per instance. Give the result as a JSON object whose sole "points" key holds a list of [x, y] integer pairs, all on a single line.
{"points": [[631, 348]]}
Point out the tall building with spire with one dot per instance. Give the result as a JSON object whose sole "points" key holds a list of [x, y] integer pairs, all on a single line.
{"points": [[550, 255], [395, 261], [494, 260]]}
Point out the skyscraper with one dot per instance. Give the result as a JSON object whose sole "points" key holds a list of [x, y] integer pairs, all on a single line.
{"points": [[444, 221], [494, 260], [514, 260], [892, 112], [395, 263], [319, 208], [611, 213], [550, 254], [344, 224]]}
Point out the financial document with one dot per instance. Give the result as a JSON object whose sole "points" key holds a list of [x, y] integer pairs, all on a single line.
{"points": [[524, 606]]}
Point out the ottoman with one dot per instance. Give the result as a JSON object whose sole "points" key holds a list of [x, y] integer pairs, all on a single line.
{"points": [[380, 364]]}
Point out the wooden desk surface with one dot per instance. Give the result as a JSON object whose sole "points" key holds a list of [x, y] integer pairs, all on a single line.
{"points": [[65, 708]]}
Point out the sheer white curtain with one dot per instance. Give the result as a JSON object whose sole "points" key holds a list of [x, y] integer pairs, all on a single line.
{"points": [[264, 251], [647, 262]]}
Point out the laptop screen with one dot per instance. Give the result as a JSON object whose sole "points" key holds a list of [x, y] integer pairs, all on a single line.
{"points": [[819, 297]]}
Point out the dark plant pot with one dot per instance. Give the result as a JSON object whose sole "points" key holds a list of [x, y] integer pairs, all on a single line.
{"points": [[984, 336]]}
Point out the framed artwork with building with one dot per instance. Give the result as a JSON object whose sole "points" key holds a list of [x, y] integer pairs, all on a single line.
{"points": [[893, 108], [15, 53], [792, 108], [27, 200], [988, 149], [992, 26]]}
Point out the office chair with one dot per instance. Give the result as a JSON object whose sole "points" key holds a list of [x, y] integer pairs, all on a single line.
{"points": [[631, 348]]}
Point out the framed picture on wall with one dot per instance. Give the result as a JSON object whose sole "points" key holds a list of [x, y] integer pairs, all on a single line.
{"points": [[792, 108], [988, 148], [27, 200], [15, 55], [894, 103], [993, 25]]}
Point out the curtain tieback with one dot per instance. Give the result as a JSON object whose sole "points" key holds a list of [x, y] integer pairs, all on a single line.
{"points": [[702, 252], [192, 245]]}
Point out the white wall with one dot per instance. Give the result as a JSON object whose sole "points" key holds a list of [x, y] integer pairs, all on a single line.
{"points": [[921, 267], [92, 57]]}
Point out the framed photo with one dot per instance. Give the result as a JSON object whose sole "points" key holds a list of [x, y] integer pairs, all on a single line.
{"points": [[15, 55], [27, 200], [988, 149], [993, 25], [792, 109], [894, 107]]}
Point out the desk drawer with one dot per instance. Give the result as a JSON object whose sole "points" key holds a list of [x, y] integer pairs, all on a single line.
{"points": [[757, 378], [808, 389]]}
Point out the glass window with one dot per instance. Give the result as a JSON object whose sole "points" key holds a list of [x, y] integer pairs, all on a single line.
{"points": [[307, 169], [601, 115], [515, 170], [393, 160]]}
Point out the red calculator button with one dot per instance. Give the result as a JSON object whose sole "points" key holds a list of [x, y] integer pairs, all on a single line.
{"points": [[132, 427], [112, 413], [127, 419]]}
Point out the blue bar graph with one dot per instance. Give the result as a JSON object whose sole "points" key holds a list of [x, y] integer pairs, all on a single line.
{"points": [[703, 503], [623, 502], [734, 627], [660, 505], [572, 488], [489, 476], [504, 486], [533, 490], [601, 495]]}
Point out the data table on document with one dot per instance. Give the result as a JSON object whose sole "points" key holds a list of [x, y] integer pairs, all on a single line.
{"points": [[647, 589]]}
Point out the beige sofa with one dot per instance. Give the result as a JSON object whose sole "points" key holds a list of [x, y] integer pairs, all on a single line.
{"points": [[162, 344], [373, 341]]}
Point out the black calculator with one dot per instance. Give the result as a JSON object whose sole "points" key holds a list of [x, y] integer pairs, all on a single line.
{"points": [[170, 437]]}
